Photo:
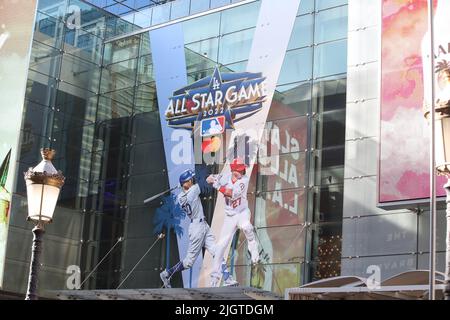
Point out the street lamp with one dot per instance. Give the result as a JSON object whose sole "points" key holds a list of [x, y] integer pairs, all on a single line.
{"points": [[44, 183], [442, 154]]}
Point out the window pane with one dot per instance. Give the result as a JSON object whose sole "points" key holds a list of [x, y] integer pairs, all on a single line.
{"points": [[80, 73], [235, 46], [238, 18], [331, 128], [142, 19], [280, 208], [285, 171], [110, 109], [201, 28], [271, 277], [323, 4], [199, 6], [296, 66], [329, 164], [145, 70], [54, 8], [331, 25], [235, 67], [281, 244], [48, 30], [140, 154], [219, 3], [302, 33], [44, 59], [306, 6], [206, 48], [180, 9], [161, 13], [123, 96], [120, 50], [40, 88], [119, 75], [76, 104], [330, 94], [330, 58], [290, 100], [288, 135], [145, 99], [85, 45]]}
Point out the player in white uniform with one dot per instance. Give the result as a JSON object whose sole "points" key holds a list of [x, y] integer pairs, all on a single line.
{"points": [[200, 234], [237, 214]]}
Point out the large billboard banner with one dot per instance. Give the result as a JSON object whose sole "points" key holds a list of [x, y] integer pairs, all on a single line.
{"points": [[218, 119], [404, 133]]}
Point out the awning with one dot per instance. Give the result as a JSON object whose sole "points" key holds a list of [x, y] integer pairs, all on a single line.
{"points": [[409, 285], [221, 293]]}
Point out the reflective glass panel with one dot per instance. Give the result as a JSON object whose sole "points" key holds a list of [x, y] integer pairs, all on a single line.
{"points": [[302, 34], [44, 59], [236, 46], [280, 208], [306, 6], [161, 13], [145, 69], [239, 18], [206, 49], [330, 58], [201, 28], [180, 9], [331, 25], [120, 50], [85, 45], [285, 171], [297, 66], [199, 6], [119, 75], [80, 73], [323, 4], [48, 30]]}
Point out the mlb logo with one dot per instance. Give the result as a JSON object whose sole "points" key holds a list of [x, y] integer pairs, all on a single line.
{"points": [[213, 126]]}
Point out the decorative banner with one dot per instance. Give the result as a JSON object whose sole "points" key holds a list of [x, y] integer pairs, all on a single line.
{"points": [[274, 25], [217, 102], [16, 30], [404, 133]]}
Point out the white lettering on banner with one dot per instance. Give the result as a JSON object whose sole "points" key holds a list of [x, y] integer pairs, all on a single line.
{"points": [[245, 95]]}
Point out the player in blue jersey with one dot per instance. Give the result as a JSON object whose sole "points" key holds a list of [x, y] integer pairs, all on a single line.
{"points": [[200, 234]]}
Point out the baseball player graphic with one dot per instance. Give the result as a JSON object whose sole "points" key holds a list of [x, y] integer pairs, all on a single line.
{"points": [[237, 214], [200, 234]]}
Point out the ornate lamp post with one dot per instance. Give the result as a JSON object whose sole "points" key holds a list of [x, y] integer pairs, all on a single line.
{"points": [[44, 183], [442, 152]]}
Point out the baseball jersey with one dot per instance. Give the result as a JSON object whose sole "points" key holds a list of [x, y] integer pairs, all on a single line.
{"points": [[190, 202], [238, 201]]}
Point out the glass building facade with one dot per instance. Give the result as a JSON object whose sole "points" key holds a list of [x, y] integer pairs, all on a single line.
{"points": [[91, 95]]}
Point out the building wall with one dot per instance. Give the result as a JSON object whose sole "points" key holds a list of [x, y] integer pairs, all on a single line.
{"points": [[96, 105]]}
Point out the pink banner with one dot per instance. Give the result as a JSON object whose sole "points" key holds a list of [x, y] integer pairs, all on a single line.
{"points": [[404, 137]]}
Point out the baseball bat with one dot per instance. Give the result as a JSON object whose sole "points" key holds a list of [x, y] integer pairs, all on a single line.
{"points": [[159, 194]]}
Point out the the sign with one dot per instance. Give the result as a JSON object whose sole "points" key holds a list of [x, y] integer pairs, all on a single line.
{"points": [[215, 103]]}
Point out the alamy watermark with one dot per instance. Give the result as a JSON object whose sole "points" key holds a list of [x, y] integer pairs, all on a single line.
{"points": [[73, 282]]}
